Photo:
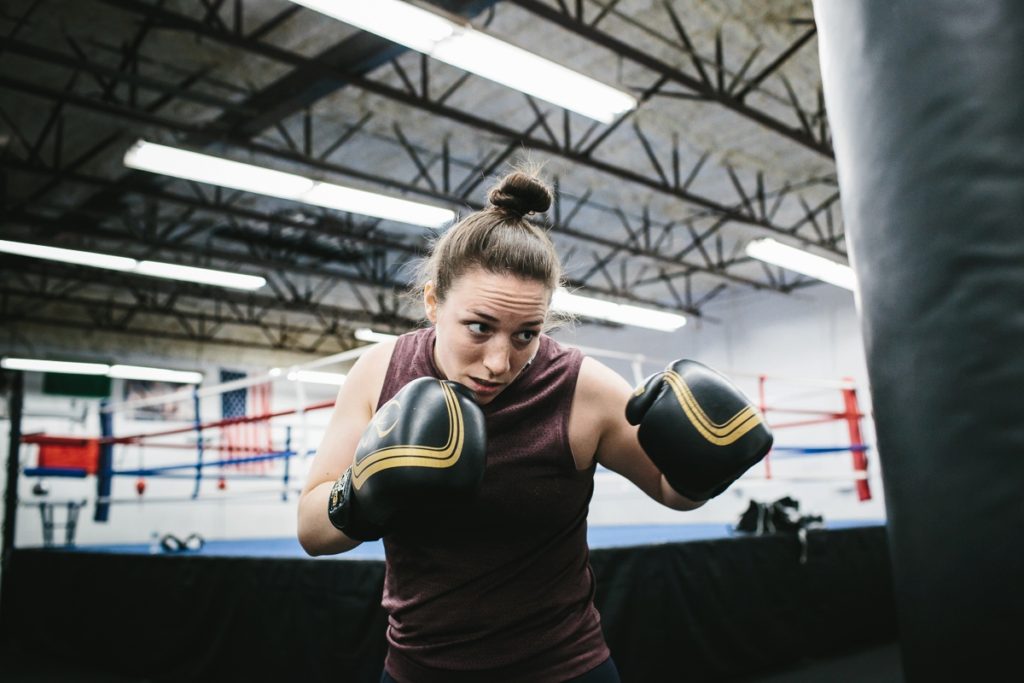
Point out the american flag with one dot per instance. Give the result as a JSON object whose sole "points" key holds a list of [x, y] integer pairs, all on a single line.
{"points": [[232, 403]]}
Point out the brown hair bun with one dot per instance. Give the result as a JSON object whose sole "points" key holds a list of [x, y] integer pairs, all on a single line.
{"points": [[519, 193]]}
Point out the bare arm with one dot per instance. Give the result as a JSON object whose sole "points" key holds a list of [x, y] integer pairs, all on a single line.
{"points": [[603, 394], [353, 410]]}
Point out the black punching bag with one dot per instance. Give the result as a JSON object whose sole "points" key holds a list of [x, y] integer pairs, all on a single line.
{"points": [[925, 100]]}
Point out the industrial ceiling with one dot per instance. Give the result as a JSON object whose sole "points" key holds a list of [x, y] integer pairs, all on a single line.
{"points": [[729, 143]]}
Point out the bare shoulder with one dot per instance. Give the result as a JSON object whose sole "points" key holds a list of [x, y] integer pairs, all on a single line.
{"points": [[366, 377], [600, 391], [597, 383]]}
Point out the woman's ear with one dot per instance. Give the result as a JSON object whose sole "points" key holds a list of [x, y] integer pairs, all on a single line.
{"points": [[430, 302]]}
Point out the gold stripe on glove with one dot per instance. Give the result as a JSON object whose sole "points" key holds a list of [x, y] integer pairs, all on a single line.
{"points": [[415, 455], [718, 434]]}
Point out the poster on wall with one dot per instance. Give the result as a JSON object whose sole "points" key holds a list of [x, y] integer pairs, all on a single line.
{"points": [[144, 388]]}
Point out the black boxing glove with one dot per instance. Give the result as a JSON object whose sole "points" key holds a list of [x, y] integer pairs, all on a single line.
{"points": [[424, 450], [699, 429]]}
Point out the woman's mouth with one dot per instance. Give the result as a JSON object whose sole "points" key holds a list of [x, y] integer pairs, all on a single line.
{"points": [[482, 386]]}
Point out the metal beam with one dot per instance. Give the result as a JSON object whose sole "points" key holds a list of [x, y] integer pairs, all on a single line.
{"points": [[703, 87], [297, 157]]}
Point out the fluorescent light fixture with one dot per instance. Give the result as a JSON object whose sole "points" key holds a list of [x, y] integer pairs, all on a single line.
{"points": [[315, 377], [613, 312], [367, 335], [797, 260], [38, 365], [81, 258], [172, 271], [116, 371], [463, 47], [155, 374], [332, 196], [204, 168]]}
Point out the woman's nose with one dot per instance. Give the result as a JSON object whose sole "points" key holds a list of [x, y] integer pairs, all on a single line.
{"points": [[496, 358]]}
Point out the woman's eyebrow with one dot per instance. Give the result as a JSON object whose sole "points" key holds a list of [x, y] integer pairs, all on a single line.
{"points": [[485, 316], [491, 319]]}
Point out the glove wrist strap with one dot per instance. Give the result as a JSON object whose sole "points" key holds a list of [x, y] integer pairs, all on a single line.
{"points": [[342, 510]]}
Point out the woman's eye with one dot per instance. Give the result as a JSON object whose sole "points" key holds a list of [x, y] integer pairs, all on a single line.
{"points": [[526, 335], [477, 328]]}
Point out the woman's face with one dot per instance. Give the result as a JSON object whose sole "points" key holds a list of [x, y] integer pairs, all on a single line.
{"points": [[488, 329]]}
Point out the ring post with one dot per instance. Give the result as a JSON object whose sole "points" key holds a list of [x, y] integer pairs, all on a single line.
{"points": [[105, 472], [287, 459], [199, 442]]}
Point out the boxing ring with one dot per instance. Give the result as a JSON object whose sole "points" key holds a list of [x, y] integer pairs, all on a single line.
{"points": [[700, 597], [260, 451]]}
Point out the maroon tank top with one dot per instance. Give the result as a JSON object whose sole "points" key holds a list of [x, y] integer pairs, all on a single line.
{"points": [[502, 591]]}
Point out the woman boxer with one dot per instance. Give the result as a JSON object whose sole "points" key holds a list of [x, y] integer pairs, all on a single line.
{"points": [[482, 500]]}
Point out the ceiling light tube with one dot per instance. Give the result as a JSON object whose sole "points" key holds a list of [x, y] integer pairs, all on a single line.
{"points": [[115, 371], [206, 276], [173, 271], [66, 367], [367, 335], [155, 374], [80, 258], [348, 199], [613, 312], [464, 47], [805, 263], [204, 168]]}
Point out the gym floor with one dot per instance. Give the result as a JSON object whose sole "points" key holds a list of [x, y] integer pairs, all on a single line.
{"points": [[597, 537], [879, 664]]}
